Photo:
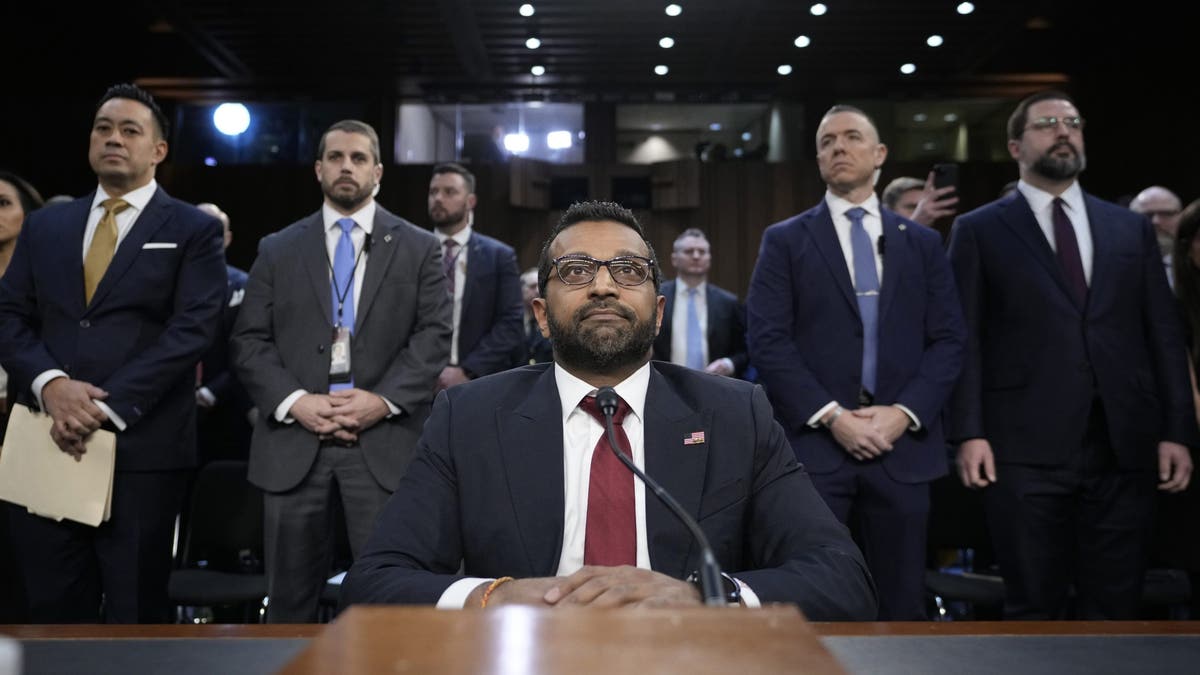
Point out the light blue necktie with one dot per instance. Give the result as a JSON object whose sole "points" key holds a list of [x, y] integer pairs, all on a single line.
{"points": [[695, 334], [866, 287], [341, 282]]}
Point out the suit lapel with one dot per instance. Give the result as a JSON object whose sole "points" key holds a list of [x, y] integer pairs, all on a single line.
{"points": [[821, 228], [148, 222], [1102, 250], [1019, 218], [383, 248], [315, 257], [475, 269], [70, 261], [531, 447], [894, 251], [677, 467]]}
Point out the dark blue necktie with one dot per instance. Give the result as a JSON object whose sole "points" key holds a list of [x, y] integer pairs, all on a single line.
{"points": [[342, 284], [695, 335], [866, 288]]}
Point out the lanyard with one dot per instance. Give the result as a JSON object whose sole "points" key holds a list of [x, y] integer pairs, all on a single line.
{"points": [[341, 294]]}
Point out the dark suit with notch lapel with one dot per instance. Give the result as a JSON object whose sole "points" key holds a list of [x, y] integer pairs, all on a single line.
{"points": [[726, 331], [281, 344], [1066, 394], [806, 339], [223, 431], [152, 316], [486, 492], [490, 326]]}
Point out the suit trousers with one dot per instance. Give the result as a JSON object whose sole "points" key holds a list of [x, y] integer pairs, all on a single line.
{"points": [[1084, 525], [299, 529], [889, 521], [117, 572]]}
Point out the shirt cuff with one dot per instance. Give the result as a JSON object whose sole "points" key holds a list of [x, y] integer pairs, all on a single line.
{"points": [[112, 416], [283, 409], [749, 597], [40, 381], [455, 597], [205, 393], [916, 423], [393, 409], [815, 420]]}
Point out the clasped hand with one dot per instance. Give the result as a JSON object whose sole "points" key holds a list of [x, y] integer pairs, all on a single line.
{"points": [[342, 414], [594, 586]]}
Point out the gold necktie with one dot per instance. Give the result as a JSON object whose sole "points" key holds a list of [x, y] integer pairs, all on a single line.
{"points": [[104, 244]]}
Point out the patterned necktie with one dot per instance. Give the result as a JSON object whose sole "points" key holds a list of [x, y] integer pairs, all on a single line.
{"points": [[866, 287], [103, 246], [611, 534], [449, 257], [695, 335], [1067, 249]]}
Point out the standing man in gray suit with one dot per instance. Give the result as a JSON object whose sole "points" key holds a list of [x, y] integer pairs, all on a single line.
{"points": [[344, 329]]}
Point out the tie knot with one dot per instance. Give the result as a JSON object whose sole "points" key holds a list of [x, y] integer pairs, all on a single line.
{"points": [[450, 245], [592, 408], [346, 224], [856, 214], [692, 291], [114, 205]]}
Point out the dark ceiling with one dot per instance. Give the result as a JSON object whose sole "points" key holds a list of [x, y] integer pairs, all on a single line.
{"points": [[462, 50]]}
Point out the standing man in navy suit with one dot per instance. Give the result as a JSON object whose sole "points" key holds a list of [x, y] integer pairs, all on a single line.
{"points": [[482, 278], [108, 304], [856, 329], [705, 325], [1075, 399]]}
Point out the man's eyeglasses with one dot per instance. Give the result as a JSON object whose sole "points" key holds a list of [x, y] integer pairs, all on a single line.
{"points": [[576, 270], [1047, 123]]}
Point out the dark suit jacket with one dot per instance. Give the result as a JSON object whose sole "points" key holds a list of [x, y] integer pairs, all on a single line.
{"points": [[152, 317], [1035, 361], [490, 326], [283, 333], [726, 331], [806, 336], [224, 431], [486, 490]]}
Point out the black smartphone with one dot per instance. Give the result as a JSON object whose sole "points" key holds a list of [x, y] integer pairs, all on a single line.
{"points": [[945, 175]]}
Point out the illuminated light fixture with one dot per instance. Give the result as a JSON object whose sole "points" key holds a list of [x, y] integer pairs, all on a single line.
{"points": [[231, 119], [934, 41], [746, 135], [908, 68], [673, 10], [818, 9], [210, 161], [950, 117], [666, 43], [661, 70], [538, 71], [785, 69], [965, 8], [715, 126], [516, 143], [558, 140], [920, 117], [802, 41], [526, 10], [533, 43], [738, 152]]}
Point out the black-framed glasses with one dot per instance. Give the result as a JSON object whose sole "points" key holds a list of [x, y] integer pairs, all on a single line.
{"points": [[627, 270], [1047, 123]]}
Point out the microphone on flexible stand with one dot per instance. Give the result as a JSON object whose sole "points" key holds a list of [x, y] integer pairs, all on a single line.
{"points": [[710, 571]]}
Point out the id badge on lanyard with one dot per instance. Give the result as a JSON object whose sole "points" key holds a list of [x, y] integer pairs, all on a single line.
{"points": [[339, 356]]}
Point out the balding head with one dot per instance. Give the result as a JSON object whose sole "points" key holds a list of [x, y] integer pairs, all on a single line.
{"points": [[215, 211], [1162, 207]]}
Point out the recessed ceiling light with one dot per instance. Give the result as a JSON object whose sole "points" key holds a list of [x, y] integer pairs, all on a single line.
{"points": [[526, 10], [558, 140], [950, 117], [908, 68], [920, 117], [533, 43], [715, 126], [746, 136], [674, 10], [661, 70], [965, 8], [666, 43], [802, 41], [784, 69], [738, 152], [538, 71], [818, 9], [934, 41]]}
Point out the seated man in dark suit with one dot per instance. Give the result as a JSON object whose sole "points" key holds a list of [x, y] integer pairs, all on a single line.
{"points": [[704, 326], [513, 477]]}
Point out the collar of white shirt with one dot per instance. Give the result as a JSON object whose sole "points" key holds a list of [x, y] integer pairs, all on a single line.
{"points": [[632, 389], [1040, 200], [364, 217], [838, 206], [138, 199], [681, 289], [461, 236]]}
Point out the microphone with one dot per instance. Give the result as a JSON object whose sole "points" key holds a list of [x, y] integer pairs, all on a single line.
{"points": [[882, 244], [710, 571]]}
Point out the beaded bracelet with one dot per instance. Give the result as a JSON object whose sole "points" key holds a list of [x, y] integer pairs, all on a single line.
{"points": [[491, 587]]}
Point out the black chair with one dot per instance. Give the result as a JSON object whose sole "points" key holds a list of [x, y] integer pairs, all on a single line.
{"points": [[961, 579], [220, 561]]}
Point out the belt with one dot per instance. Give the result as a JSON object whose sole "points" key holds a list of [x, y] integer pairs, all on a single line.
{"points": [[337, 443]]}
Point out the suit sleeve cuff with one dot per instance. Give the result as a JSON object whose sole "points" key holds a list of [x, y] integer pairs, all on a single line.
{"points": [[40, 381], [912, 416], [815, 420], [455, 597], [283, 409], [112, 416]]}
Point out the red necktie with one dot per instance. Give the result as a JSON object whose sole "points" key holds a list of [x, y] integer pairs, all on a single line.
{"points": [[611, 536]]}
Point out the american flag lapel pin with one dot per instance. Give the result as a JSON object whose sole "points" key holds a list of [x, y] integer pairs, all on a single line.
{"points": [[696, 438]]}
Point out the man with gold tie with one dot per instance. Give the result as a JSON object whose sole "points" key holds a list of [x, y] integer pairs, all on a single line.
{"points": [[109, 302]]}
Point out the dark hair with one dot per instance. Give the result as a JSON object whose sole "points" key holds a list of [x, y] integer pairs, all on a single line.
{"points": [[30, 199], [591, 212], [1020, 117], [455, 167], [352, 127], [136, 93], [1187, 277], [891, 193]]}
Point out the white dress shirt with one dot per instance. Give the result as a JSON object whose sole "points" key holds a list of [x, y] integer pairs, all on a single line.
{"points": [[460, 280], [679, 321], [1042, 204]]}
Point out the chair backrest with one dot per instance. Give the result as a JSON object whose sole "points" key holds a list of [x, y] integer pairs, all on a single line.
{"points": [[224, 528]]}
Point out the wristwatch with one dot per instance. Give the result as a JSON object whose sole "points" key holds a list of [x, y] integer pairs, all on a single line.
{"points": [[729, 587]]}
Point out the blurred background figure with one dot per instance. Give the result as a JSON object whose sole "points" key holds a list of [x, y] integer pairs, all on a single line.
{"points": [[1162, 207], [536, 348], [920, 201]]}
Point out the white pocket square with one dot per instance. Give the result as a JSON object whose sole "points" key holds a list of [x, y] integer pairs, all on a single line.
{"points": [[159, 244]]}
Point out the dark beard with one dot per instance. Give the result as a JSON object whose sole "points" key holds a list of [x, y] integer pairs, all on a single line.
{"points": [[601, 349], [1057, 168], [451, 218], [352, 201]]}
